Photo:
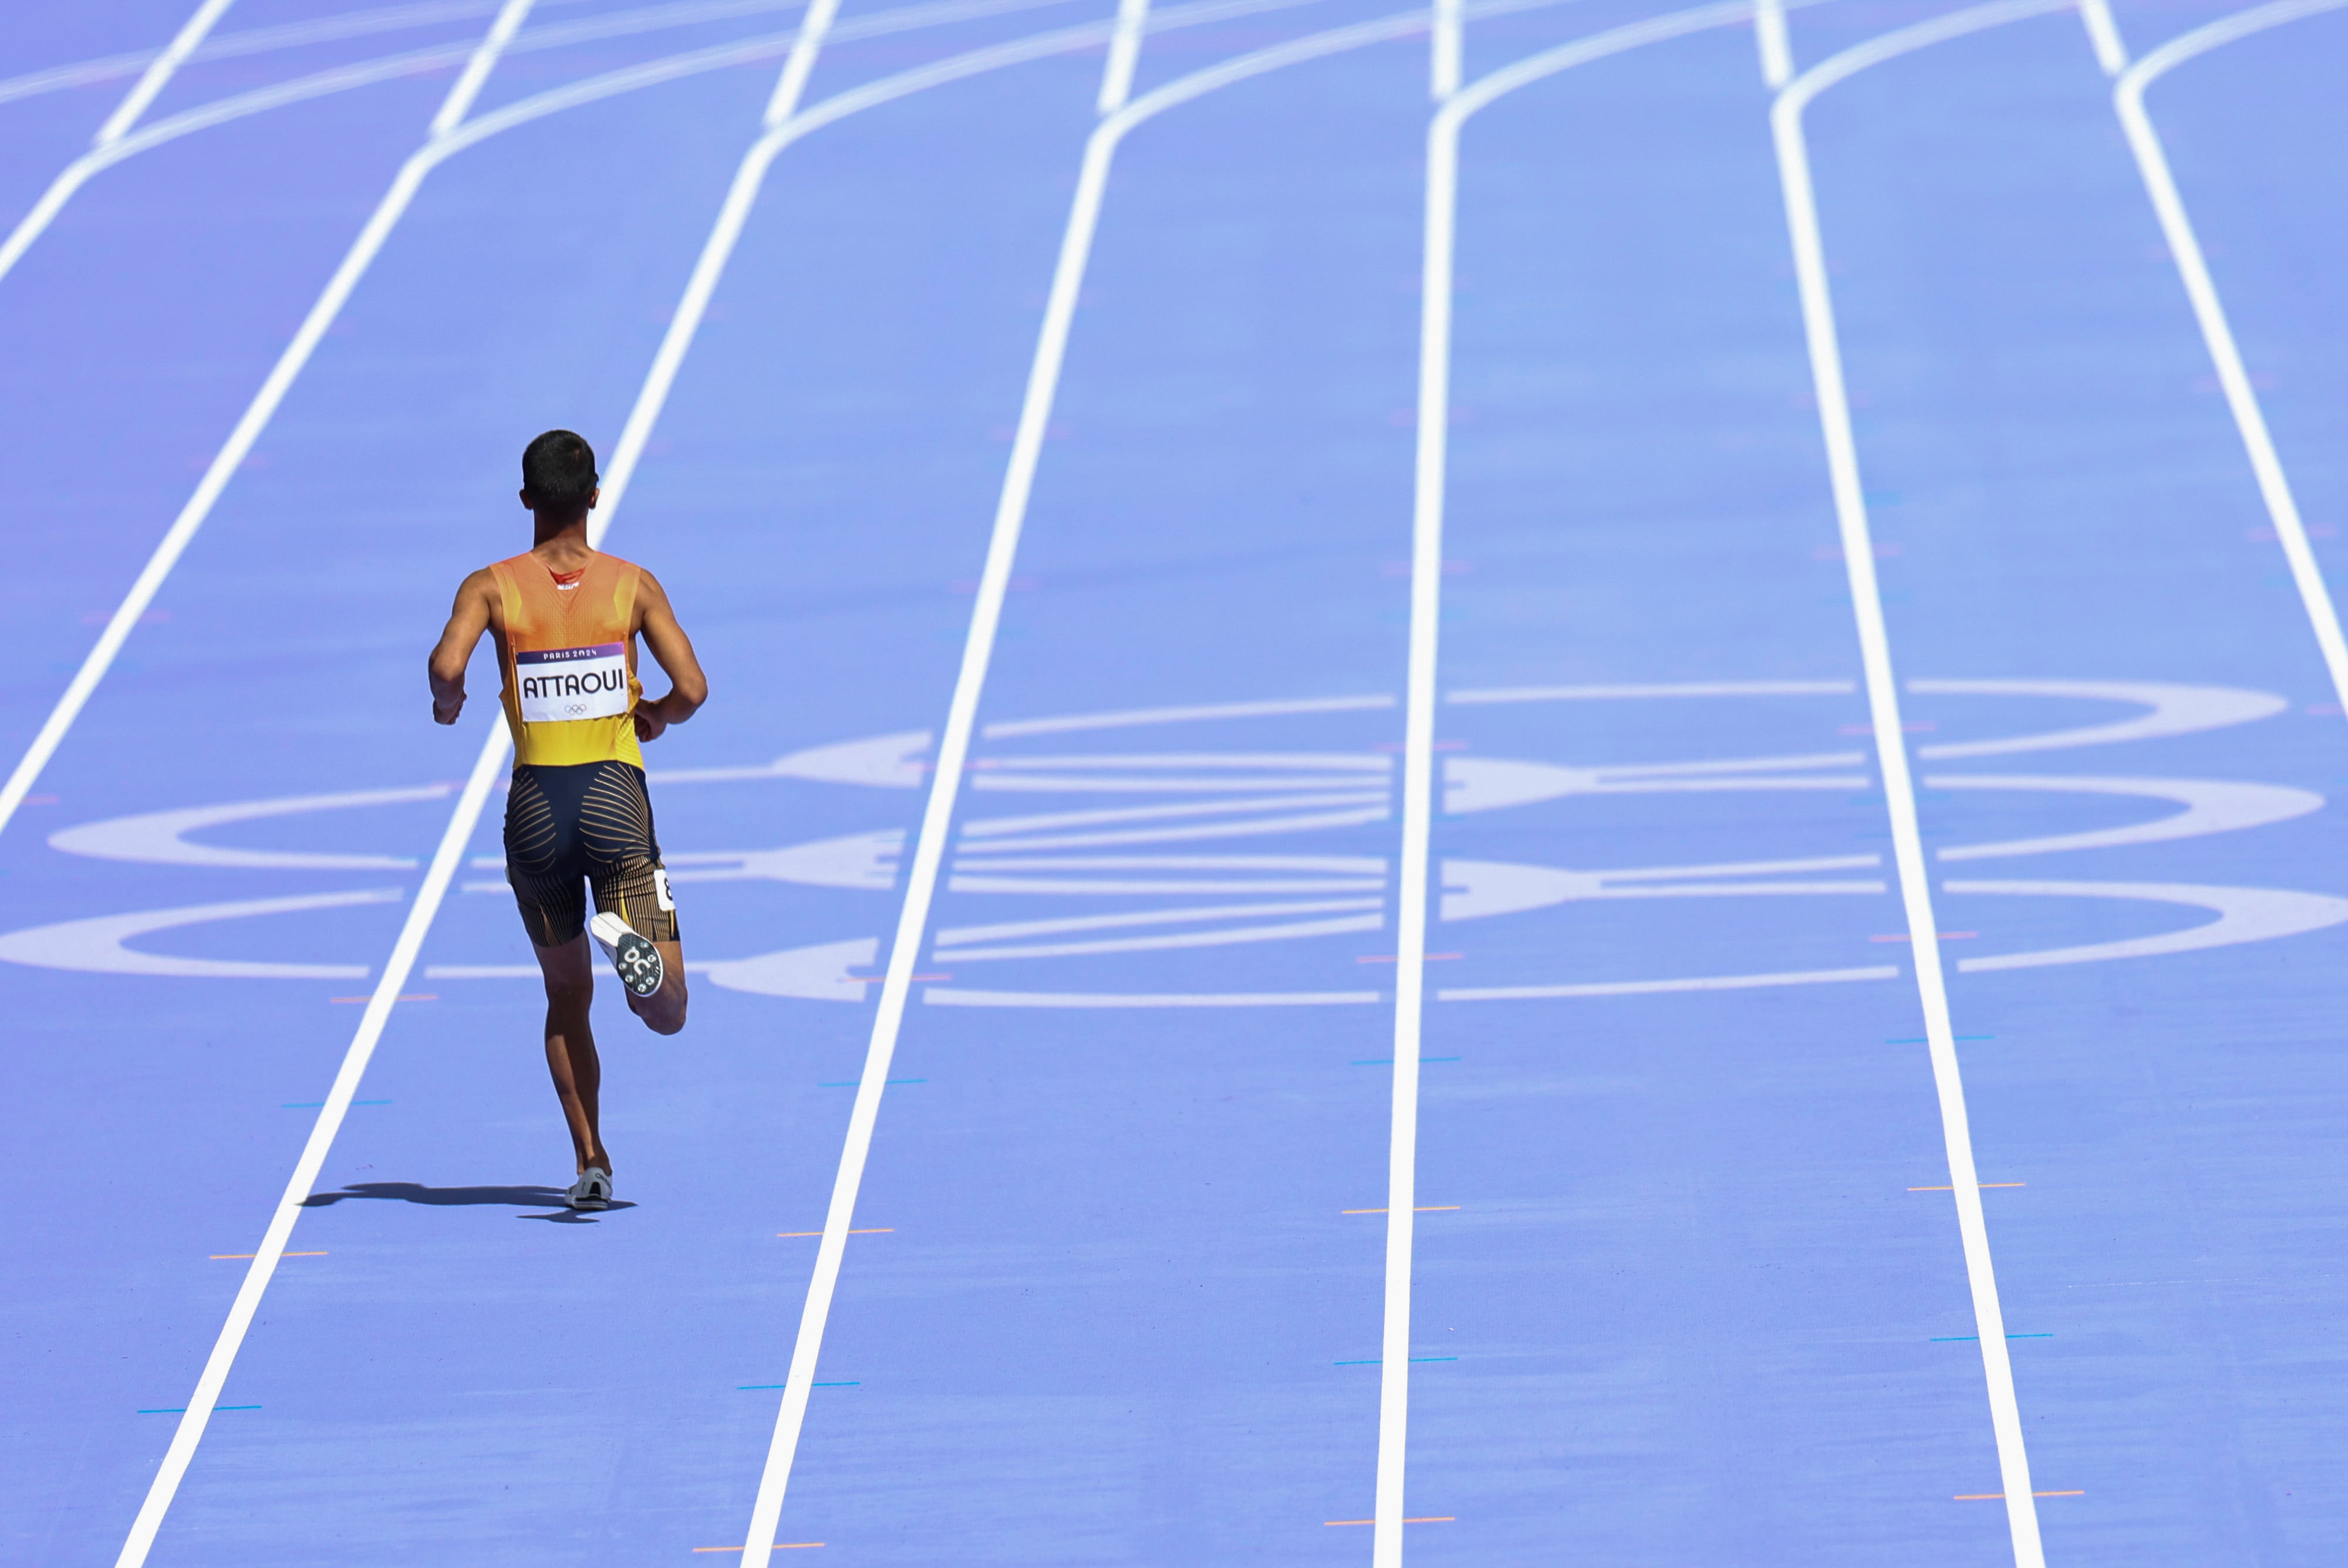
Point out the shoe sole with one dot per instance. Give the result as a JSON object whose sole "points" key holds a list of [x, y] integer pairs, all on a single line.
{"points": [[638, 963]]}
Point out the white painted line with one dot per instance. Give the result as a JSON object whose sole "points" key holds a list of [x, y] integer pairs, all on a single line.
{"points": [[2103, 35], [1883, 709], [152, 80], [1124, 55], [475, 73], [1446, 51], [1770, 34], [445, 861], [2210, 311], [1418, 712]]}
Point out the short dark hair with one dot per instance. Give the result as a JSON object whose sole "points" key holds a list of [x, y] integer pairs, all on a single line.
{"points": [[558, 468]]}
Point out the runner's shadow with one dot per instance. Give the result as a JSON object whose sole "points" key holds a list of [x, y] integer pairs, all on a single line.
{"points": [[465, 1197]]}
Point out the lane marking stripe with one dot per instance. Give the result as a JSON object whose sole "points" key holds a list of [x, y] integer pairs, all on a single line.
{"points": [[1884, 707], [1420, 696]]}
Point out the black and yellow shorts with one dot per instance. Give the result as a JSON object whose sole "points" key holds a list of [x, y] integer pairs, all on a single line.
{"points": [[570, 829]]}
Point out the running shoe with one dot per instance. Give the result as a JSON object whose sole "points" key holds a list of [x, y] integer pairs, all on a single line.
{"points": [[633, 956], [592, 1190]]}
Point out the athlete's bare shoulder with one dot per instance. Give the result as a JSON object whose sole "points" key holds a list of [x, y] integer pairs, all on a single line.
{"points": [[478, 602]]}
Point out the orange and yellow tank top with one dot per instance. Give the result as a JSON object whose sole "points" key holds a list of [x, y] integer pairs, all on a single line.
{"points": [[570, 685]]}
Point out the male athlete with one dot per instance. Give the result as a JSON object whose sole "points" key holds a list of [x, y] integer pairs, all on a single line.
{"points": [[566, 620]]}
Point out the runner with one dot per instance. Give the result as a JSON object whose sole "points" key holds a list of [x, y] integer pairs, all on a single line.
{"points": [[566, 620]]}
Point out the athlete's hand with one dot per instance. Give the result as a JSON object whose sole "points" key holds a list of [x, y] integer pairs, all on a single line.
{"points": [[446, 712], [650, 722]]}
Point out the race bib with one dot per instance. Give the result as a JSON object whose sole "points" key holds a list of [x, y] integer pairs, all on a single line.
{"points": [[559, 684]]}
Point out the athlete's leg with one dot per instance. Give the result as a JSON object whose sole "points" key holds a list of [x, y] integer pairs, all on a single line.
{"points": [[571, 1056], [615, 830]]}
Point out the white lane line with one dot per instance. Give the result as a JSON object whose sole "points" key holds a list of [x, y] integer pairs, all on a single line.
{"points": [[1448, 48], [1418, 712], [1124, 55], [134, 104], [152, 80], [1883, 709], [257, 1275], [1770, 34], [2103, 35], [2210, 311]]}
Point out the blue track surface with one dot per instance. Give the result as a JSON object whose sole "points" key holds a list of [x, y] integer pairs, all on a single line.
{"points": [[1684, 1291]]}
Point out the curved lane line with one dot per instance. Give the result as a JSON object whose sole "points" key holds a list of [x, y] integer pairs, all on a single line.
{"points": [[1883, 708], [2210, 311]]}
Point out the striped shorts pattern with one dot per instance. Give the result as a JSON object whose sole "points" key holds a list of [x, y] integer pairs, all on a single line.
{"points": [[570, 831]]}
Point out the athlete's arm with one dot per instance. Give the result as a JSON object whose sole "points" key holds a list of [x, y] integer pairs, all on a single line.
{"points": [[466, 622], [688, 688]]}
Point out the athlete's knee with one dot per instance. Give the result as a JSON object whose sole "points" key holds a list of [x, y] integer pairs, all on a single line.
{"points": [[570, 997]]}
